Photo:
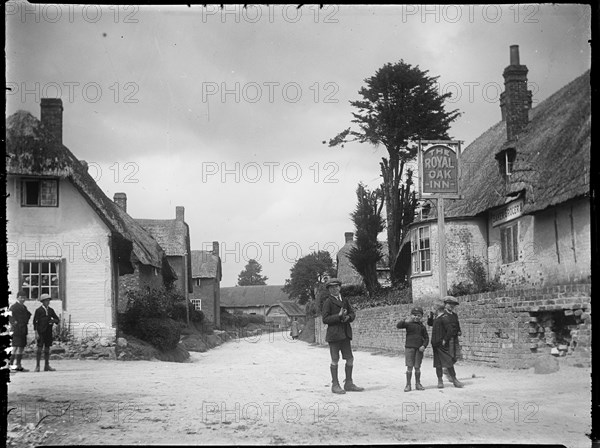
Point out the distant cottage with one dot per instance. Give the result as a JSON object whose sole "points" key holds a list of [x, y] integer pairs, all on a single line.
{"points": [[252, 299], [206, 279], [346, 272], [525, 182], [65, 237]]}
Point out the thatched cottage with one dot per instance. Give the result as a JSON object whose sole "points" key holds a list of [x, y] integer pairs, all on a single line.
{"points": [[525, 207], [65, 237]]}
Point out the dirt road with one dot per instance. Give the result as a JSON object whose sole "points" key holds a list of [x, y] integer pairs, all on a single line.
{"points": [[270, 390]]}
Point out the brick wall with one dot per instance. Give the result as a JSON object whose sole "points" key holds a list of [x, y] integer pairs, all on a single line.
{"points": [[497, 327]]}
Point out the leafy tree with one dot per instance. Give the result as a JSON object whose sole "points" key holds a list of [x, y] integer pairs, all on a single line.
{"points": [[251, 275], [368, 222], [306, 273], [400, 105]]}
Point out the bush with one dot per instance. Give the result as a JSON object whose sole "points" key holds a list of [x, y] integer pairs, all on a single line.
{"points": [[385, 296], [353, 290], [475, 271], [162, 333]]}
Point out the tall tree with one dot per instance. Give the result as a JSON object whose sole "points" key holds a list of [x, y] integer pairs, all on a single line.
{"points": [[400, 104], [368, 223], [306, 273], [251, 275]]}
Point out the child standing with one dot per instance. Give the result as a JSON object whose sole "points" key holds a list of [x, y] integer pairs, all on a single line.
{"points": [[416, 341]]}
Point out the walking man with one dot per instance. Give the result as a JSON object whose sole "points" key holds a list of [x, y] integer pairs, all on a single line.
{"points": [[338, 315], [19, 318], [454, 332], [43, 320]]}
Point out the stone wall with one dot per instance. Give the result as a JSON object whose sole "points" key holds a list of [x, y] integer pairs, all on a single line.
{"points": [[507, 329]]}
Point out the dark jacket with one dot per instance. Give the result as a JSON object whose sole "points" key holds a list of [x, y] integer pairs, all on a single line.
{"points": [[337, 330], [416, 334], [43, 322], [19, 318], [454, 324], [440, 331]]}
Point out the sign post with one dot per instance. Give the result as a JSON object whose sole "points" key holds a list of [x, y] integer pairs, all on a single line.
{"points": [[439, 174]]}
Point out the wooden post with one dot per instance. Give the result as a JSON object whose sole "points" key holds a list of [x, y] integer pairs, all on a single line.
{"points": [[442, 246]]}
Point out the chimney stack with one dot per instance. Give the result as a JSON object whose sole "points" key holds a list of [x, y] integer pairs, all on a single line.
{"points": [[121, 200], [84, 164], [515, 101], [215, 250], [51, 116], [349, 236], [179, 213]]}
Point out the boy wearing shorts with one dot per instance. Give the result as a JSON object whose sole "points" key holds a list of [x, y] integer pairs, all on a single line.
{"points": [[416, 341]]}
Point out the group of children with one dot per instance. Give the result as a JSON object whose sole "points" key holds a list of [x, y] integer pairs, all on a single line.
{"points": [[44, 319], [444, 342], [338, 315]]}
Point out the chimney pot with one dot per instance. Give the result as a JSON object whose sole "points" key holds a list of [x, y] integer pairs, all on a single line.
{"points": [[51, 117], [349, 236], [121, 200], [215, 248], [514, 55], [179, 213], [84, 163]]}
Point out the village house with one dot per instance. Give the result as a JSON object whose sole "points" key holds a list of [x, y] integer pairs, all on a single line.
{"points": [[65, 237], [251, 299], [525, 206], [206, 282], [283, 313], [346, 272], [173, 235]]}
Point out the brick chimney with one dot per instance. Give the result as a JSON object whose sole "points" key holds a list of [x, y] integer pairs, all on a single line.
{"points": [[215, 250], [121, 200], [515, 101], [349, 236], [52, 117], [179, 213]]}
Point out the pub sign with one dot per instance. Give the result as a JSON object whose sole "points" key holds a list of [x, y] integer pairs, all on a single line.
{"points": [[439, 168]]}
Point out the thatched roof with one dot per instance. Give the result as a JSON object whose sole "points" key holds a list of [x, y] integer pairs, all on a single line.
{"points": [[31, 151], [171, 234], [247, 296], [289, 307], [346, 272], [552, 162], [205, 265]]}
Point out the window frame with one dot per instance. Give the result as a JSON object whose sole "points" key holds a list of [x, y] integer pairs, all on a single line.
{"points": [[39, 181], [509, 250], [61, 274], [420, 253]]}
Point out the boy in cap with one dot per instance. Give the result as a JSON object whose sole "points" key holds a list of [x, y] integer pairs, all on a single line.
{"points": [[338, 314], [416, 341], [43, 319], [19, 318], [453, 345]]}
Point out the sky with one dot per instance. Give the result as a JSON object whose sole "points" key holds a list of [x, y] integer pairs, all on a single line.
{"points": [[225, 112]]}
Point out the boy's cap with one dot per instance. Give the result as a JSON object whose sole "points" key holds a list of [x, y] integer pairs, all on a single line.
{"points": [[333, 282], [450, 299], [45, 297], [417, 310]]}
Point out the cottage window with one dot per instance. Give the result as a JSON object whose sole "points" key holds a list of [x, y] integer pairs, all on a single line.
{"points": [[197, 303], [509, 240], [39, 192], [420, 250], [42, 277], [506, 160]]}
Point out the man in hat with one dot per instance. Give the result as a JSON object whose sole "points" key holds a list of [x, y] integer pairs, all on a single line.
{"points": [[454, 332], [43, 320], [414, 346], [19, 318], [338, 314], [439, 342]]}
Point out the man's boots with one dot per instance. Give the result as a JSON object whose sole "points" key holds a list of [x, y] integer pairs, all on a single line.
{"points": [[408, 378], [47, 367], [19, 366], [418, 385], [349, 384], [440, 383], [448, 375], [335, 386], [38, 358], [454, 380]]}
